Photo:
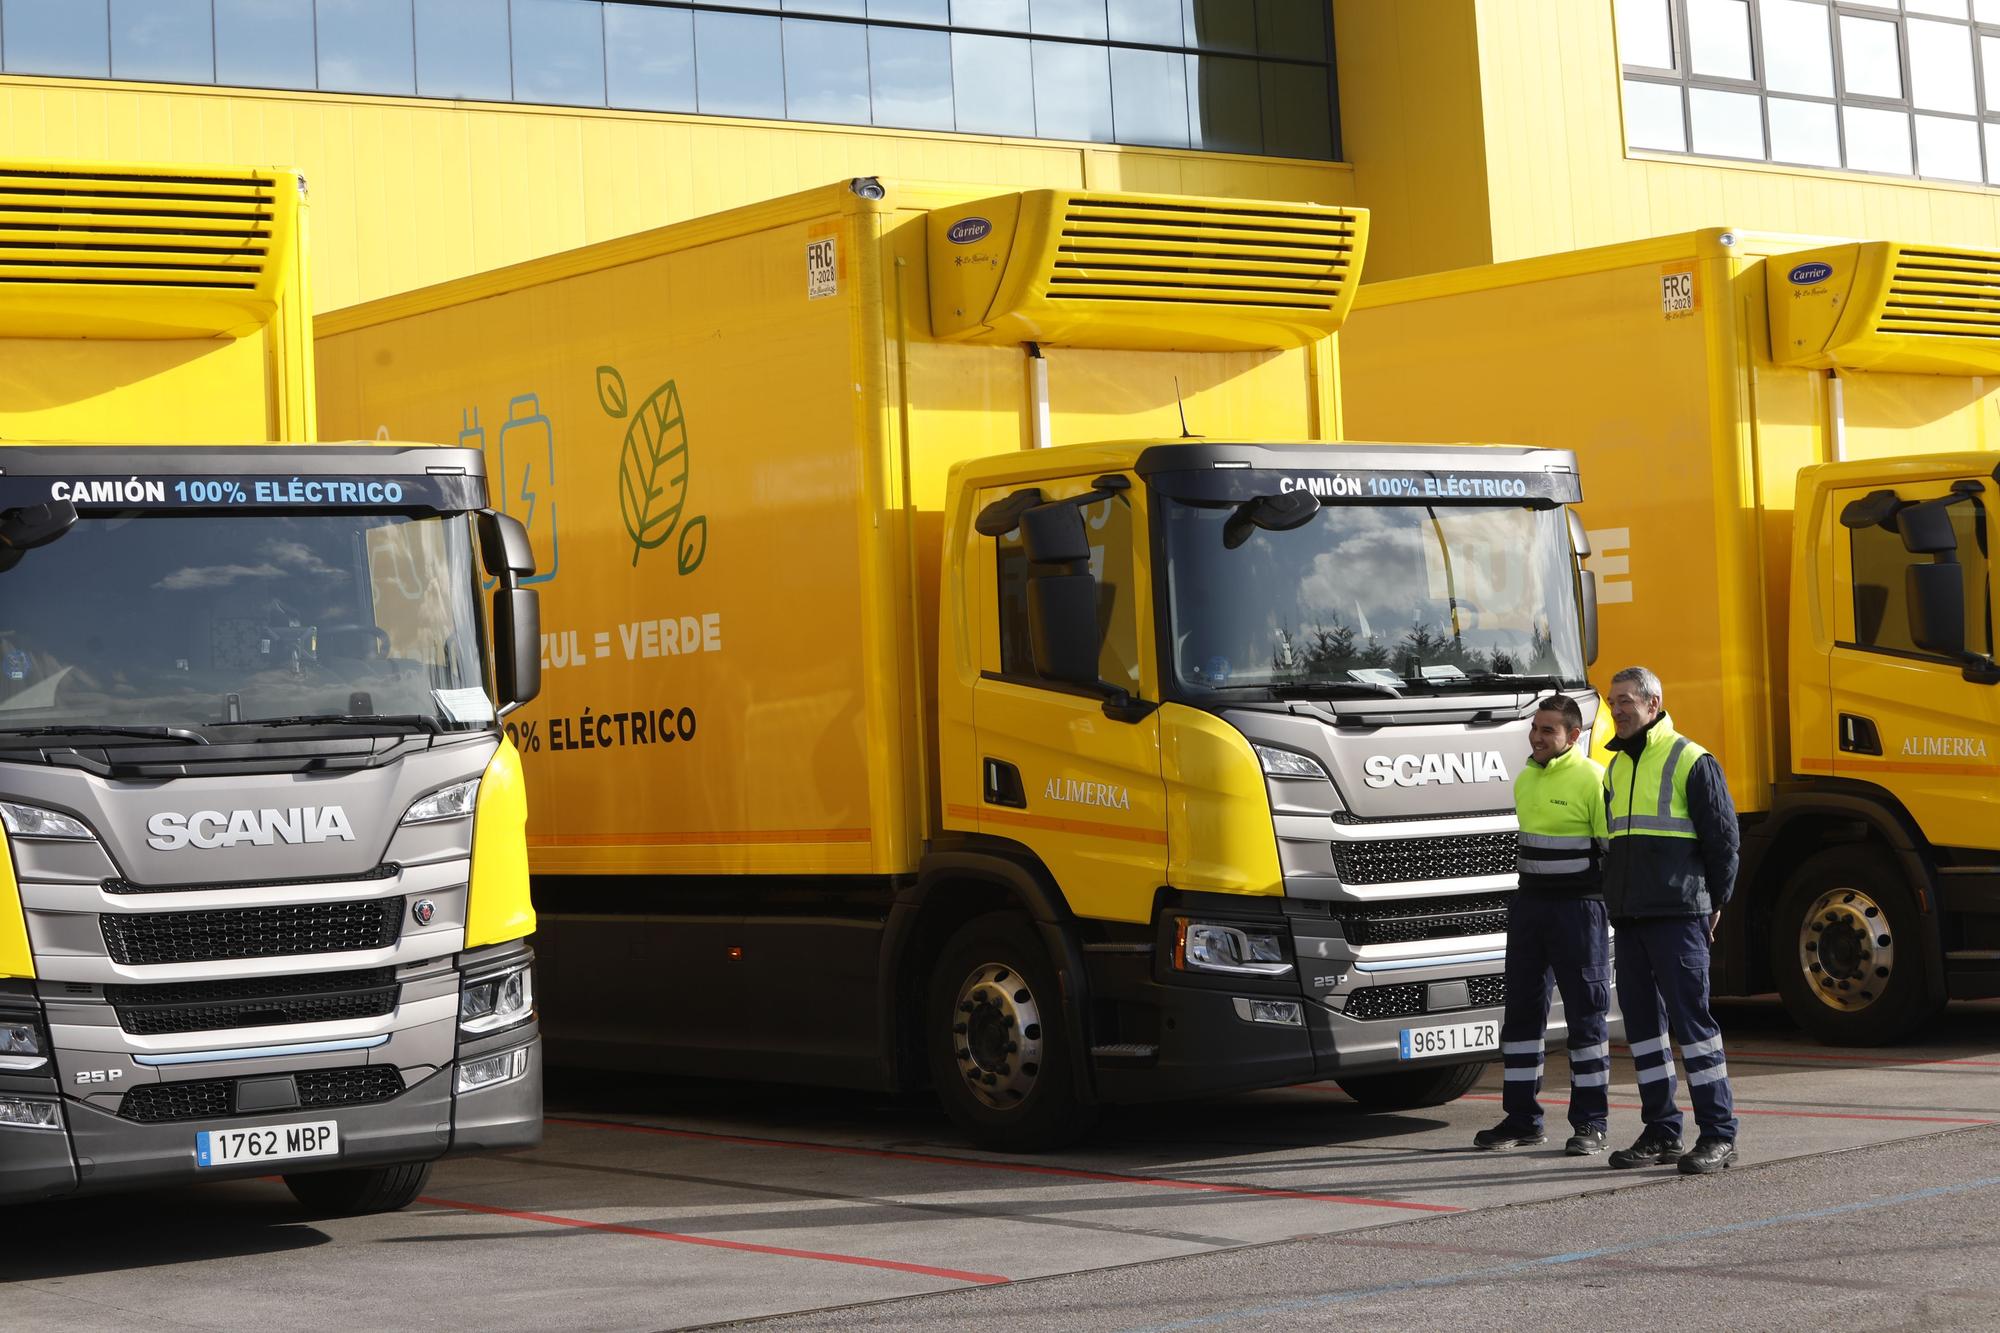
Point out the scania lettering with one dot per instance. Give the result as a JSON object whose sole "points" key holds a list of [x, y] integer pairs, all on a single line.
{"points": [[263, 875], [1033, 761]]}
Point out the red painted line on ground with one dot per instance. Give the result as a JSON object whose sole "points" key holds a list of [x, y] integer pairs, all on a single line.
{"points": [[1747, 1110], [1018, 1168], [647, 1233]]}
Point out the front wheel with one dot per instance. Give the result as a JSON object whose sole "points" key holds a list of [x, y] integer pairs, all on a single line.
{"points": [[1408, 1089], [1846, 948], [999, 1054], [350, 1193]]}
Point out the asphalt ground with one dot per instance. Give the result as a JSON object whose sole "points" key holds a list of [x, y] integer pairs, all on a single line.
{"points": [[660, 1204]]}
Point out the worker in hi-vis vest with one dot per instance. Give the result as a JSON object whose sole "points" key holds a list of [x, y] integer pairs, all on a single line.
{"points": [[1556, 927], [1669, 868]]}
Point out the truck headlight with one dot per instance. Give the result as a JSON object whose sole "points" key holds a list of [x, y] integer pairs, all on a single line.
{"points": [[31, 821], [21, 1043], [444, 803], [1289, 763], [29, 1113], [492, 1070], [496, 1002], [1237, 951]]}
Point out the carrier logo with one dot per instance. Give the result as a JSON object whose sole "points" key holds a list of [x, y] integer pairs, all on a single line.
{"points": [[967, 230], [209, 829], [1805, 275], [1417, 770]]}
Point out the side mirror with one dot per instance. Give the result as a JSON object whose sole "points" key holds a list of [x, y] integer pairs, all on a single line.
{"points": [[1936, 595], [1054, 534], [1273, 513], [503, 545], [1062, 626], [1926, 528], [517, 645], [1587, 590], [23, 529]]}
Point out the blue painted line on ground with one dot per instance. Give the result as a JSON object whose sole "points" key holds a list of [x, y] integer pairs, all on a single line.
{"points": [[1555, 1260]]}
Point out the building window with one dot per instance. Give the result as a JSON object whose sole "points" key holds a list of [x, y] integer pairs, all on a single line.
{"points": [[1897, 89], [1232, 76]]}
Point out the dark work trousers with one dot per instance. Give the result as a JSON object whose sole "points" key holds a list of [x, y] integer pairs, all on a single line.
{"points": [[1663, 989], [1563, 938]]}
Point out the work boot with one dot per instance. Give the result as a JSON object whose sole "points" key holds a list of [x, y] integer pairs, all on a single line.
{"points": [[1586, 1142], [1709, 1155], [1507, 1134], [1652, 1148]]}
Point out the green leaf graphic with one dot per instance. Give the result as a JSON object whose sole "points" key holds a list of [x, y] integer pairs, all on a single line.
{"points": [[611, 390], [694, 537], [653, 470]]}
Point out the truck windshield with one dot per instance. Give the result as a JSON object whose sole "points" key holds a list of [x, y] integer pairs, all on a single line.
{"points": [[196, 620], [1374, 598]]}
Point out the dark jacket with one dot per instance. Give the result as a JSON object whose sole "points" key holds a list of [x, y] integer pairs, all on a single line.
{"points": [[1667, 877]]}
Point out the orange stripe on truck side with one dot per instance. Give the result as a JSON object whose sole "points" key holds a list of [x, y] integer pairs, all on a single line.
{"points": [[1088, 828]]}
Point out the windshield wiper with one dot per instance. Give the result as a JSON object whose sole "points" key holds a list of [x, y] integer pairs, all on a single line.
{"points": [[181, 734], [423, 721], [1340, 688]]}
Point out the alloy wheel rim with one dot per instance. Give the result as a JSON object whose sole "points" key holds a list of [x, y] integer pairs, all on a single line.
{"points": [[996, 1035], [1847, 951]]}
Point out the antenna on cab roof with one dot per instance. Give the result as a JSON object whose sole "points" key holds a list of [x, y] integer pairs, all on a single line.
{"points": [[1186, 434]]}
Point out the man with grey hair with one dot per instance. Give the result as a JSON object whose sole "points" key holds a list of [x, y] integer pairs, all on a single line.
{"points": [[1668, 869]]}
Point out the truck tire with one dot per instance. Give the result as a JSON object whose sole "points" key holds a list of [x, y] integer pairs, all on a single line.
{"points": [[375, 1189], [1408, 1089], [994, 1037], [1846, 949]]}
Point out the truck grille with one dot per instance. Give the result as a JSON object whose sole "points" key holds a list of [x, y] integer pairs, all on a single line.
{"points": [[126, 886], [1407, 860], [1412, 920], [207, 1098], [248, 1002], [251, 932], [1409, 998]]}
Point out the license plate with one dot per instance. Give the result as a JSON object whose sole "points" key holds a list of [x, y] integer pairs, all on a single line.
{"points": [[268, 1143], [1451, 1039]]}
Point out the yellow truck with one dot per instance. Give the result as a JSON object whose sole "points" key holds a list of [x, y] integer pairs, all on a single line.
{"points": [[263, 879], [971, 659], [1789, 443]]}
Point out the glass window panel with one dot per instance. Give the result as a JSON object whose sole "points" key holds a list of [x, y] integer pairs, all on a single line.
{"points": [[1068, 18], [909, 76], [1225, 105], [1992, 133], [1986, 11], [1072, 91], [1719, 38], [162, 39], [1221, 25], [739, 66], [1947, 148], [1653, 117], [1952, 9], [1149, 97], [1157, 21], [826, 72], [911, 11], [1298, 116], [1726, 124], [1645, 34], [1941, 66], [649, 58], [1989, 59], [366, 46], [462, 50], [853, 9], [1804, 132], [264, 43], [1798, 47], [993, 85], [1871, 59], [1877, 140], [1005, 15], [1292, 28], [55, 37], [559, 52]]}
